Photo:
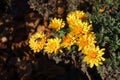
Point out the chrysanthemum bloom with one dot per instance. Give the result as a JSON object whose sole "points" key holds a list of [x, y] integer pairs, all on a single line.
{"points": [[94, 56], [56, 24], [37, 42], [52, 45], [72, 17], [85, 40], [68, 41], [80, 15], [87, 28], [77, 28]]}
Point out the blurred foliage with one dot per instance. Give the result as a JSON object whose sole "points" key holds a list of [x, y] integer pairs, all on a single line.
{"points": [[107, 28], [49, 7], [42, 6]]}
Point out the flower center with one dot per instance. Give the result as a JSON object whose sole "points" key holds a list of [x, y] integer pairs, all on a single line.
{"points": [[56, 25], [92, 54]]}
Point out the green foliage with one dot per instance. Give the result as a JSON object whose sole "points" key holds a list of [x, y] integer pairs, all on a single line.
{"points": [[107, 29]]}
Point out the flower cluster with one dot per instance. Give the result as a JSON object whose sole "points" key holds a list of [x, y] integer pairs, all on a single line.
{"points": [[79, 34]]}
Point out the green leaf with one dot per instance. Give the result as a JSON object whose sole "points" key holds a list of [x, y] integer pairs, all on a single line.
{"points": [[118, 42], [61, 33], [74, 47], [106, 38]]}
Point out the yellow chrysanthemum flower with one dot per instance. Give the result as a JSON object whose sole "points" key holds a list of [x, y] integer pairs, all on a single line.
{"points": [[52, 45], [37, 42], [68, 40], [80, 28], [94, 56], [85, 40], [72, 17], [87, 28], [80, 15], [56, 24], [77, 28]]}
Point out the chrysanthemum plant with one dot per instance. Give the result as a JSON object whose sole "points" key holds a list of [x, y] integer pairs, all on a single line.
{"points": [[73, 41]]}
